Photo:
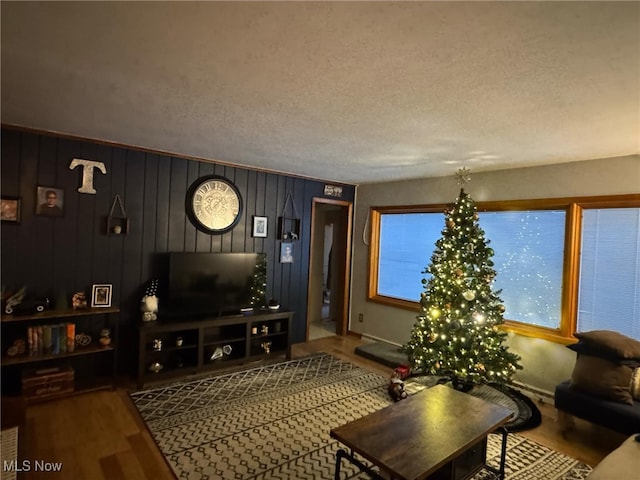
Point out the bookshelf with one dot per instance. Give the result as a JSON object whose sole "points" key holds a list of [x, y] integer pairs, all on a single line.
{"points": [[178, 348], [42, 359]]}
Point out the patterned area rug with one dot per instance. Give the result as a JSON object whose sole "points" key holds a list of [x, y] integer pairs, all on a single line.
{"points": [[273, 422]]}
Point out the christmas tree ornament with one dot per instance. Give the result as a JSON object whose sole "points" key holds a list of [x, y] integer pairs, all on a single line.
{"points": [[469, 295]]}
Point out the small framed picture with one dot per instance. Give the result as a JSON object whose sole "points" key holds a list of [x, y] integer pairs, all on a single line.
{"points": [[259, 226], [286, 252], [101, 295], [50, 201], [10, 209]]}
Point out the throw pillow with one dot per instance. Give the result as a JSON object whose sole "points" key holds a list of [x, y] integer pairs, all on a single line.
{"points": [[614, 342], [598, 351], [602, 378], [635, 384]]}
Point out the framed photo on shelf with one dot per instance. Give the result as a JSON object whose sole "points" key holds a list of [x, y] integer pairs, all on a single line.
{"points": [[259, 226], [50, 201], [101, 295], [10, 209]]}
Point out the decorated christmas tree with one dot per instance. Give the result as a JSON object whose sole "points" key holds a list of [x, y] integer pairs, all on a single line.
{"points": [[456, 334], [259, 283]]}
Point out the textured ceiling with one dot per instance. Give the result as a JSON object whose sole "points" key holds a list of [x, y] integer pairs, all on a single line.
{"points": [[352, 92]]}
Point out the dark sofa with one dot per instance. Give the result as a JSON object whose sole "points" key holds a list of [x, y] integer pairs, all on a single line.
{"points": [[617, 416]]}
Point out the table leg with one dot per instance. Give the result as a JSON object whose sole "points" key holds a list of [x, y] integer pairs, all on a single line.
{"points": [[341, 453], [503, 453]]}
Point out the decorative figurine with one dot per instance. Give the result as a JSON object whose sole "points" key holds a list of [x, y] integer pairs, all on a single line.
{"points": [[79, 300], [149, 303], [156, 367], [105, 337]]}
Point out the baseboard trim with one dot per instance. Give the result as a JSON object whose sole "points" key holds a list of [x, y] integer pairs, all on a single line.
{"points": [[366, 336], [541, 395]]}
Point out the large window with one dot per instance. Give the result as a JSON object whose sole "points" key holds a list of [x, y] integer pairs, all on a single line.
{"points": [[609, 294], [549, 289]]}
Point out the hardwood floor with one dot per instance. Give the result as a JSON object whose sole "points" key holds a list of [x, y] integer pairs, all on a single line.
{"points": [[100, 436]]}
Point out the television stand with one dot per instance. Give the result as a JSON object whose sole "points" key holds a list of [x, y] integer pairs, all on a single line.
{"points": [[176, 348]]}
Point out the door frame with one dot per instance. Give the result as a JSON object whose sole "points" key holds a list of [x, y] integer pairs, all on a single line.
{"points": [[342, 322]]}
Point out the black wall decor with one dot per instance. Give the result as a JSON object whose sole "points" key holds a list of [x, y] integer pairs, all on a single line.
{"points": [[59, 256]]}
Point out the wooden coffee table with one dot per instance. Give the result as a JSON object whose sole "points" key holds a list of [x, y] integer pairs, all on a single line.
{"points": [[438, 433]]}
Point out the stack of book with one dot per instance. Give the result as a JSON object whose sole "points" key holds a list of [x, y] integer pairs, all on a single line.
{"points": [[51, 339]]}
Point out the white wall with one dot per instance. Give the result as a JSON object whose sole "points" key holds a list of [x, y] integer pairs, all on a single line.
{"points": [[545, 363]]}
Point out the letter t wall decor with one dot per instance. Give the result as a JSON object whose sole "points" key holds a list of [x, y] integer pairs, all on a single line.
{"points": [[87, 173]]}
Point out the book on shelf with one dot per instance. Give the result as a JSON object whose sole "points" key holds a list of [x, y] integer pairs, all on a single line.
{"points": [[55, 341], [46, 339], [71, 337], [62, 337], [51, 339]]}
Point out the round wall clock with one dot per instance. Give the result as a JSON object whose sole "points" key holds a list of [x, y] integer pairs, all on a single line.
{"points": [[214, 204]]}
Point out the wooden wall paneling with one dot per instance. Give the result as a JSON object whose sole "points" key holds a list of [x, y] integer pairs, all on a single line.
{"points": [[177, 217], [190, 231], [117, 181], [240, 231], [65, 259], [30, 232], [148, 217], [44, 235], [249, 211], [132, 284], [133, 200], [103, 200], [162, 203], [277, 188], [300, 267], [10, 178], [12, 233], [256, 199], [28, 173], [266, 207]]}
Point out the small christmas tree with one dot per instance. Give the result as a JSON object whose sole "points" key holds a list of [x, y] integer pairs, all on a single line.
{"points": [[259, 283], [456, 333]]}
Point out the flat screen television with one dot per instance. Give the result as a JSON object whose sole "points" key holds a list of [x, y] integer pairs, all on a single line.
{"points": [[216, 283]]}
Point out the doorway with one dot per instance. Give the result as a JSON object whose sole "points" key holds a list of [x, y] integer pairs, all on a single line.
{"points": [[329, 268]]}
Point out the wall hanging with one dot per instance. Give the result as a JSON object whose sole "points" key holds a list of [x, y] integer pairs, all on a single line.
{"points": [[289, 226], [214, 204], [117, 221]]}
